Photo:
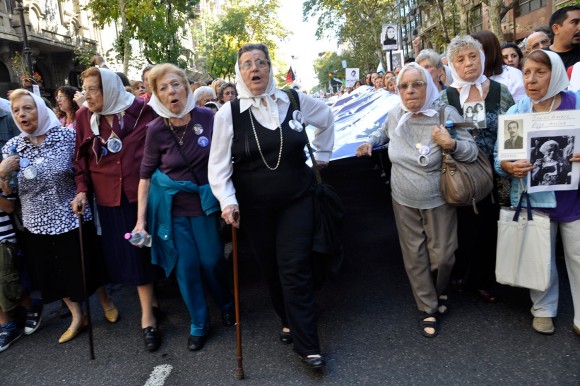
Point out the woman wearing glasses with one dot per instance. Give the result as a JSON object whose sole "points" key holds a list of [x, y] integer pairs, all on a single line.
{"points": [[109, 148], [227, 92], [477, 233], [267, 189], [427, 225]]}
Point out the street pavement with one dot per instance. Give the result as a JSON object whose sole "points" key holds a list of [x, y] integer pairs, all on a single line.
{"points": [[368, 324]]}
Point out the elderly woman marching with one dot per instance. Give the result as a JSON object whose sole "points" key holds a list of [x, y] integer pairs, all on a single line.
{"points": [[273, 184], [427, 225], [477, 233], [176, 199], [110, 142], [546, 81], [45, 188]]}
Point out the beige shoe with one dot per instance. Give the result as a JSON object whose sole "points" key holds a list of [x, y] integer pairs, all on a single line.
{"points": [[112, 314], [543, 325], [576, 329]]}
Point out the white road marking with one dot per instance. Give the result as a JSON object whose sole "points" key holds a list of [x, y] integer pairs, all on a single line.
{"points": [[159, 375]]}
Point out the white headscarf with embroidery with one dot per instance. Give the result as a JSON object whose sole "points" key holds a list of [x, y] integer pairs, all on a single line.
{"points": [[46, 118], [164, 112], [115, 98], [431, 95], [263, 106], [458, 82], [558, 79]]}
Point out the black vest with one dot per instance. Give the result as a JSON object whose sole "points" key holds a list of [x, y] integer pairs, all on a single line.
{"points": [[255, 184]]}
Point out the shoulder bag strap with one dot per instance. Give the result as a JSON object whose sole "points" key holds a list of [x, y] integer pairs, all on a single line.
{"points": [[296, 106]]}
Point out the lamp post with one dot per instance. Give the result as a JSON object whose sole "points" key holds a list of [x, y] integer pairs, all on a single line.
{"points": [[26, 51]]}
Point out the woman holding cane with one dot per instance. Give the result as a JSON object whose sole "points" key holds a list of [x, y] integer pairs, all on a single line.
{"points": [[45, 188], [270, 186]]}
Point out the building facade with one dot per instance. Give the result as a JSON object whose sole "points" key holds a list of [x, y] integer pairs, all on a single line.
{"points": [[58, 32]]}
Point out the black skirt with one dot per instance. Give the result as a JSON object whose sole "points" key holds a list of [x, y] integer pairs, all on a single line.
{"points": [[55, 263]]}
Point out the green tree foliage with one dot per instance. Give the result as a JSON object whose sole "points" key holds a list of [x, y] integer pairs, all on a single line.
{"points": [[356, 23], [248, 21], [158, 25]]}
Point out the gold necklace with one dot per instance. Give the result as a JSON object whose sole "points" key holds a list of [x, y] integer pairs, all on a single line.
{"points": [[179, 140]]}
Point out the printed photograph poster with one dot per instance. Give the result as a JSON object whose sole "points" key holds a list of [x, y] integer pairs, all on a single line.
{"points": [[550, 153], [514, 130], [389, 36], [397, 60], [351, 76]]}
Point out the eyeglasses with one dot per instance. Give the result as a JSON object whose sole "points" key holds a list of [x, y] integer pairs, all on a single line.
{"points": [[541, 44], [260, 63], [229, 93], [415, 84], [91, 90]]}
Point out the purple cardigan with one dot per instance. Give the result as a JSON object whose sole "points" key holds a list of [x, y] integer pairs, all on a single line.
{"points": [[161, 153]]}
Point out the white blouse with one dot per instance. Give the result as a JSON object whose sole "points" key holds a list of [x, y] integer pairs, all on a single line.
{"points": [[220, 167]]}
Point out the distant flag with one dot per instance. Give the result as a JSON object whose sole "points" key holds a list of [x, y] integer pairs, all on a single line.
{"points": [[290, 76]]}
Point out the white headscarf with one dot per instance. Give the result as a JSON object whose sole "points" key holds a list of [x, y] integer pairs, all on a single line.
{"points": [[464, 85], [164, 112], [558, 80], [115, 98], [46, 118], [431, 95], [267, 114]]}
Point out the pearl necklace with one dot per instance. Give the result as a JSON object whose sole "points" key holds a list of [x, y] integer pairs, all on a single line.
{"points": [[260, 149]]}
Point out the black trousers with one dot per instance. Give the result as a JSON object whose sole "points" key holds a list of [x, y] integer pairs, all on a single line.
{"points": [[281, 237], [477, 238]]}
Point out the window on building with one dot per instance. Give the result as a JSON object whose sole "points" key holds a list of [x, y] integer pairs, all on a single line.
{"points": [[476, 18], [527, 6]]}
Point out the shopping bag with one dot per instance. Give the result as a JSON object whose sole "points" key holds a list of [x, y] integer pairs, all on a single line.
{"points": [[523, 256]]}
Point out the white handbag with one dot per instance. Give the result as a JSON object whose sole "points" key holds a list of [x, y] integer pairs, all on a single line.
{"points": [[523, 256]]}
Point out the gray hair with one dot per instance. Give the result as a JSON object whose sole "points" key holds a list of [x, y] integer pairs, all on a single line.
{"points": [[431, 55], [459, 43], [201, 91], [412, 66]]}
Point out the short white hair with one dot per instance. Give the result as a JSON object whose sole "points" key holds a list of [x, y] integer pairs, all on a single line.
{"points": [[201, 91]]}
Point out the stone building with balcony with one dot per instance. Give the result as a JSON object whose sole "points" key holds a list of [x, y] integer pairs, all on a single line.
{"points": [[57, 31]]}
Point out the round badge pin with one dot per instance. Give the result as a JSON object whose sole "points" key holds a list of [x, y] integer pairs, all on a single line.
{"points": [[114, 145], [423, 160], [197, 129], [424, 150], [30, 172], [24, 162], [297, 116], [203, 141], [296, 126]]}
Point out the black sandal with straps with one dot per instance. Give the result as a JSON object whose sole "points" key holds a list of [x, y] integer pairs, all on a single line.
{"points": [[434, 324]]}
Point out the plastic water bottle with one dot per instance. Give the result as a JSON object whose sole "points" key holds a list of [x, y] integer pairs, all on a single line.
{"points": [[138, 239], [13, 180]]}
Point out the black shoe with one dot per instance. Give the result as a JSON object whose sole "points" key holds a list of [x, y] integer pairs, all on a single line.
{"points": [[285, 337], [152, 338], [228, 319], [313, 361], [195, 343]]}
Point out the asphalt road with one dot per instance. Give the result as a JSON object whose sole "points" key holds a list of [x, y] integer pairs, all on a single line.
{"points": [[368, 325]]}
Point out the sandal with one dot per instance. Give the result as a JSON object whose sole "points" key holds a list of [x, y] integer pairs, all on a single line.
{"points": [[442, 309], [429, 324]]}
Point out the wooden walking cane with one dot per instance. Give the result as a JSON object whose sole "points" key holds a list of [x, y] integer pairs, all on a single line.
{"points": [[240, 369], [86, 298]]}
